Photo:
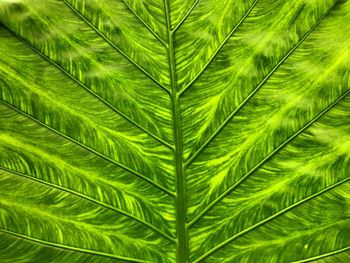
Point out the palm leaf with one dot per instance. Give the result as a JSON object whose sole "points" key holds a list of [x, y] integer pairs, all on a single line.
{"points": [[174, 131]]}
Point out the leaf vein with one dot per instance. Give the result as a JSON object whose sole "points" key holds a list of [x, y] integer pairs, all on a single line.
{"points": [[219, 48], [160, 140], [144, 23], [256, 167], [281, 212], [332, 253], [91, 199], [185, 16], [235, 111], [115, 47], [180, 205], [89, 149], [66, 247]]}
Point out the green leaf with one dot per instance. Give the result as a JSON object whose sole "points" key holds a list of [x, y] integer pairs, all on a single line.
{"points": [[174, 131]]}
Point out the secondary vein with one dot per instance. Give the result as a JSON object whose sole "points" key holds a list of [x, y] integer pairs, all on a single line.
{"points": [[236, 110], [115, 47], [281, 212], [144, 23], [185, 16], [66, 247], [257, 166], [218, 49], [124, 167], [338, 251], [160, 140], [90, 199]]}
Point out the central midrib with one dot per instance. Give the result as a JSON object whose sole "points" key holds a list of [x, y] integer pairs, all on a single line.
{"points": [[181, 236]]}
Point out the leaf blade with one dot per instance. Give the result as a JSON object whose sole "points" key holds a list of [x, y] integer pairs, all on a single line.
{"points": [[174, 131]]}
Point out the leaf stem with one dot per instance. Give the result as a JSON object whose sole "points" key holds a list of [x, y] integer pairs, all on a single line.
{"points": [[178, 153]]}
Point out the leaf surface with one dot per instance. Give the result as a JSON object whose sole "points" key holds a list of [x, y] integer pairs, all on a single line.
{"points": [[174, 131]]}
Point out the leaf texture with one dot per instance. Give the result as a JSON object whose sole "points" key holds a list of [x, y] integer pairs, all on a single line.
{"points": [[175, 131]]}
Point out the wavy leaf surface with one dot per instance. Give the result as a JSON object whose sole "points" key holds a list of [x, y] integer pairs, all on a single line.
{"points": [[175, 131]]}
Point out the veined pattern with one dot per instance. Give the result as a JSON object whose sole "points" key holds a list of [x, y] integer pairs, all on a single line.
{"points": [[175, 131]]}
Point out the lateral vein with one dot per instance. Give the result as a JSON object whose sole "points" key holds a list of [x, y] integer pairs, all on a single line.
{"points": [[257, 166], [186, 15], [90, 199], [160, 140], [144, 23], [218, 49], [235, 111], [115, 47], [89, 149], [66, 247], [281, 212], [332, 253]]}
